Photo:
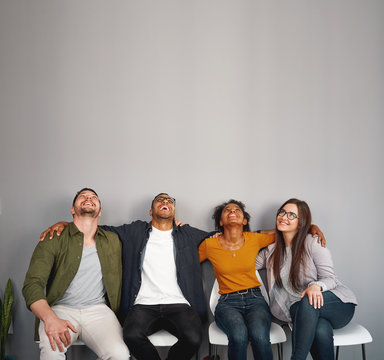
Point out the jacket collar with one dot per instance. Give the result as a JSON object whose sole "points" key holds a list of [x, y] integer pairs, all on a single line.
{"points": [[73, 230]]}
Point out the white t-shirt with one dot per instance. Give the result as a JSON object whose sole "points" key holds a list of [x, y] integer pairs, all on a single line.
{"points": [[158, 279]]}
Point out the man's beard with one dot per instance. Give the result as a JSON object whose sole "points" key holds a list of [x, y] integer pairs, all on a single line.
{"points": [[88, 212]]}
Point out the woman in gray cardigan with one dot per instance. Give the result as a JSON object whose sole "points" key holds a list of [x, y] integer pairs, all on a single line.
{"points": [[303, 287]]}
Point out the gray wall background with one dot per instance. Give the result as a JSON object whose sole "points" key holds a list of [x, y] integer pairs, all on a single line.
{"points": [[208, 100]]}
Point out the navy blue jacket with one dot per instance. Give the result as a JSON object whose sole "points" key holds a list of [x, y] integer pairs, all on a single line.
{"points": [[134, 239]]}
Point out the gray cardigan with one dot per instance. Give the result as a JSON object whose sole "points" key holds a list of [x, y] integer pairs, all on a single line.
{"points": [[319, 270]]}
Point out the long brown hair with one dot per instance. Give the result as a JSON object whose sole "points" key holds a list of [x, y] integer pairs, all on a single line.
{"points": [[298, 248]]}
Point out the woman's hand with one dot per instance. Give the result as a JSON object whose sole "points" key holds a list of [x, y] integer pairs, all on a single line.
{"points": [[58, 227], [315, 297]]}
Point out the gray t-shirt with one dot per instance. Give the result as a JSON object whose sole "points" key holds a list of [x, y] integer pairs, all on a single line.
{"points": [[87, 287]]}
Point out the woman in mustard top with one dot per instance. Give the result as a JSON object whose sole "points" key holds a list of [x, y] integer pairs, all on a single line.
{"points": [[242, 313]]}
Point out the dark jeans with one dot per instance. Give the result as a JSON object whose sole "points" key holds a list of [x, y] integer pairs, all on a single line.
{"points": [[178, 319], [244, 318], [313, 328]]}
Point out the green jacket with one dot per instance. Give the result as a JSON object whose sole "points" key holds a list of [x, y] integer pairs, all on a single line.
{"points": [[55, 262]]}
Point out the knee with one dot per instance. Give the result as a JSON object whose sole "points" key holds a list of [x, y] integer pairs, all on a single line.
{"points": [[49, 354], [259, 335], [239, 337], [46, 351], [193, 337], [304, 304], [117, 353], [132, 335], [305, 308]]}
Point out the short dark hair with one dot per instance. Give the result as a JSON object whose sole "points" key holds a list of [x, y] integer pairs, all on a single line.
{"points": [[162, 193], [80, 191], [219, 209]]}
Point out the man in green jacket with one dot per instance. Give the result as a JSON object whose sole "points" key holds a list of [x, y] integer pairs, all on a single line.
{"points": [[73, 286]]}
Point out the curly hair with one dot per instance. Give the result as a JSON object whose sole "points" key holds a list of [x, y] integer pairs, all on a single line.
{"points": [[219, 209]]}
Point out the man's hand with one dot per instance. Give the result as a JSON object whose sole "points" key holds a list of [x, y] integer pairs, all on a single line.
{"points": [[315, 296], [58, 227], [315, 231], [57, 331], [178, 222], [216, 235]]}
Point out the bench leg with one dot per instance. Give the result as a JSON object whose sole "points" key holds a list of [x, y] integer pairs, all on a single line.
{"points": [[363, 350]]}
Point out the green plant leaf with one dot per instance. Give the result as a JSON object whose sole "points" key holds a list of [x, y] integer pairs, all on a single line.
{"points": [[1, 311], [7, 307], [6, 317]]}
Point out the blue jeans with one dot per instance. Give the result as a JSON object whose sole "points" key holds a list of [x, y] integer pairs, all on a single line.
{"points": [[313, 328], [244, 318]]}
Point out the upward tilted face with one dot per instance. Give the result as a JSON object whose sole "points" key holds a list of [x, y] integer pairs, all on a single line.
{"points": [[87, 203], [287, 219], [163, 207], [232, 215]]}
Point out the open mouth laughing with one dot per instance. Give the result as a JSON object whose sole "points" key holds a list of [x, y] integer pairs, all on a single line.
{"points": [[87, 203]]}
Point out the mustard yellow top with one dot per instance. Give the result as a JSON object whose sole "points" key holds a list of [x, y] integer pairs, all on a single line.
{"points": [[235, 269]]}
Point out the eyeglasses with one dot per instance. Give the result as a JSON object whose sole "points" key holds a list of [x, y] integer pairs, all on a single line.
{"points": [[290, 215], [165, 198]]}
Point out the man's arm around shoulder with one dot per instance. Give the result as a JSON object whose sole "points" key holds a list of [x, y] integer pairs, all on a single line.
{"points": [[197, 235], [126, 231]]}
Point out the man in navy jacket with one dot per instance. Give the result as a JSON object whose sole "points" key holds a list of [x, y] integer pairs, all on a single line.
{"points": [[162, 283]]}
